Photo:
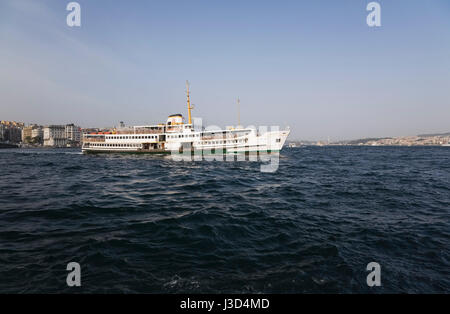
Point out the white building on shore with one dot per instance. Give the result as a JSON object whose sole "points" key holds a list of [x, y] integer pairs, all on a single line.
{"points": [[55, 136], [37, 132], [73, 135]]}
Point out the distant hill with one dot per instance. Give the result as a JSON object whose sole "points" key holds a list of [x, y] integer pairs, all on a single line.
{"points": [[431, 135], [365, 140]]}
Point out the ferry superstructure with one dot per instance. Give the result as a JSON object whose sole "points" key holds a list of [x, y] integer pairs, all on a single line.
{"points": [[177, 136]]}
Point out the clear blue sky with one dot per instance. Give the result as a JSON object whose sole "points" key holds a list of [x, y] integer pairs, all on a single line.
{"points": [[312, 65]]}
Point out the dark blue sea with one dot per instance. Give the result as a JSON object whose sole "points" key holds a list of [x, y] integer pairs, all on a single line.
{"points": [[148, 224]]}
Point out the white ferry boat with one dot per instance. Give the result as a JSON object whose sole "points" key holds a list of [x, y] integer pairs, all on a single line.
{"points": [[177, 136]]}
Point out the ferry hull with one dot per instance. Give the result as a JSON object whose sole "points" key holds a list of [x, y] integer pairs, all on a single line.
{"points": [[180, 152], [117, 151]]}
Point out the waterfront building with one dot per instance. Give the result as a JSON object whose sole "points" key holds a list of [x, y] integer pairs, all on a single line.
{"points": [[20, 125], [37, 134], [2, 132], [73, 135], [32, 134], [55, 136], [27, 134], [11, 131]]}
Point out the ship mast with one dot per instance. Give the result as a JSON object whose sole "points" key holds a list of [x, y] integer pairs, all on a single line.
{"points": [[188, 102], [239, 111]]}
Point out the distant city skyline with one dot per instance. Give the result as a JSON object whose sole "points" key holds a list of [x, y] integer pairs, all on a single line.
{"points": [[314, 66]]}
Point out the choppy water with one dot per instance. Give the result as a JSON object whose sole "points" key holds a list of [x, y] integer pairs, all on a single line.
{"points": [[141, 223]]}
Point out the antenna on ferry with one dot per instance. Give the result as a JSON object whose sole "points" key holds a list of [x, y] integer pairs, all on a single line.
{"points": [[239, 111], [188, 102]]}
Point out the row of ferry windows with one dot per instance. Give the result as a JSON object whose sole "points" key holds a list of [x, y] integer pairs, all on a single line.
{"points": [[134, 137], [138, 137], [182, 135], [115, 145], [186, 135], [211, 142], [224, 142], [138, 145]]}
